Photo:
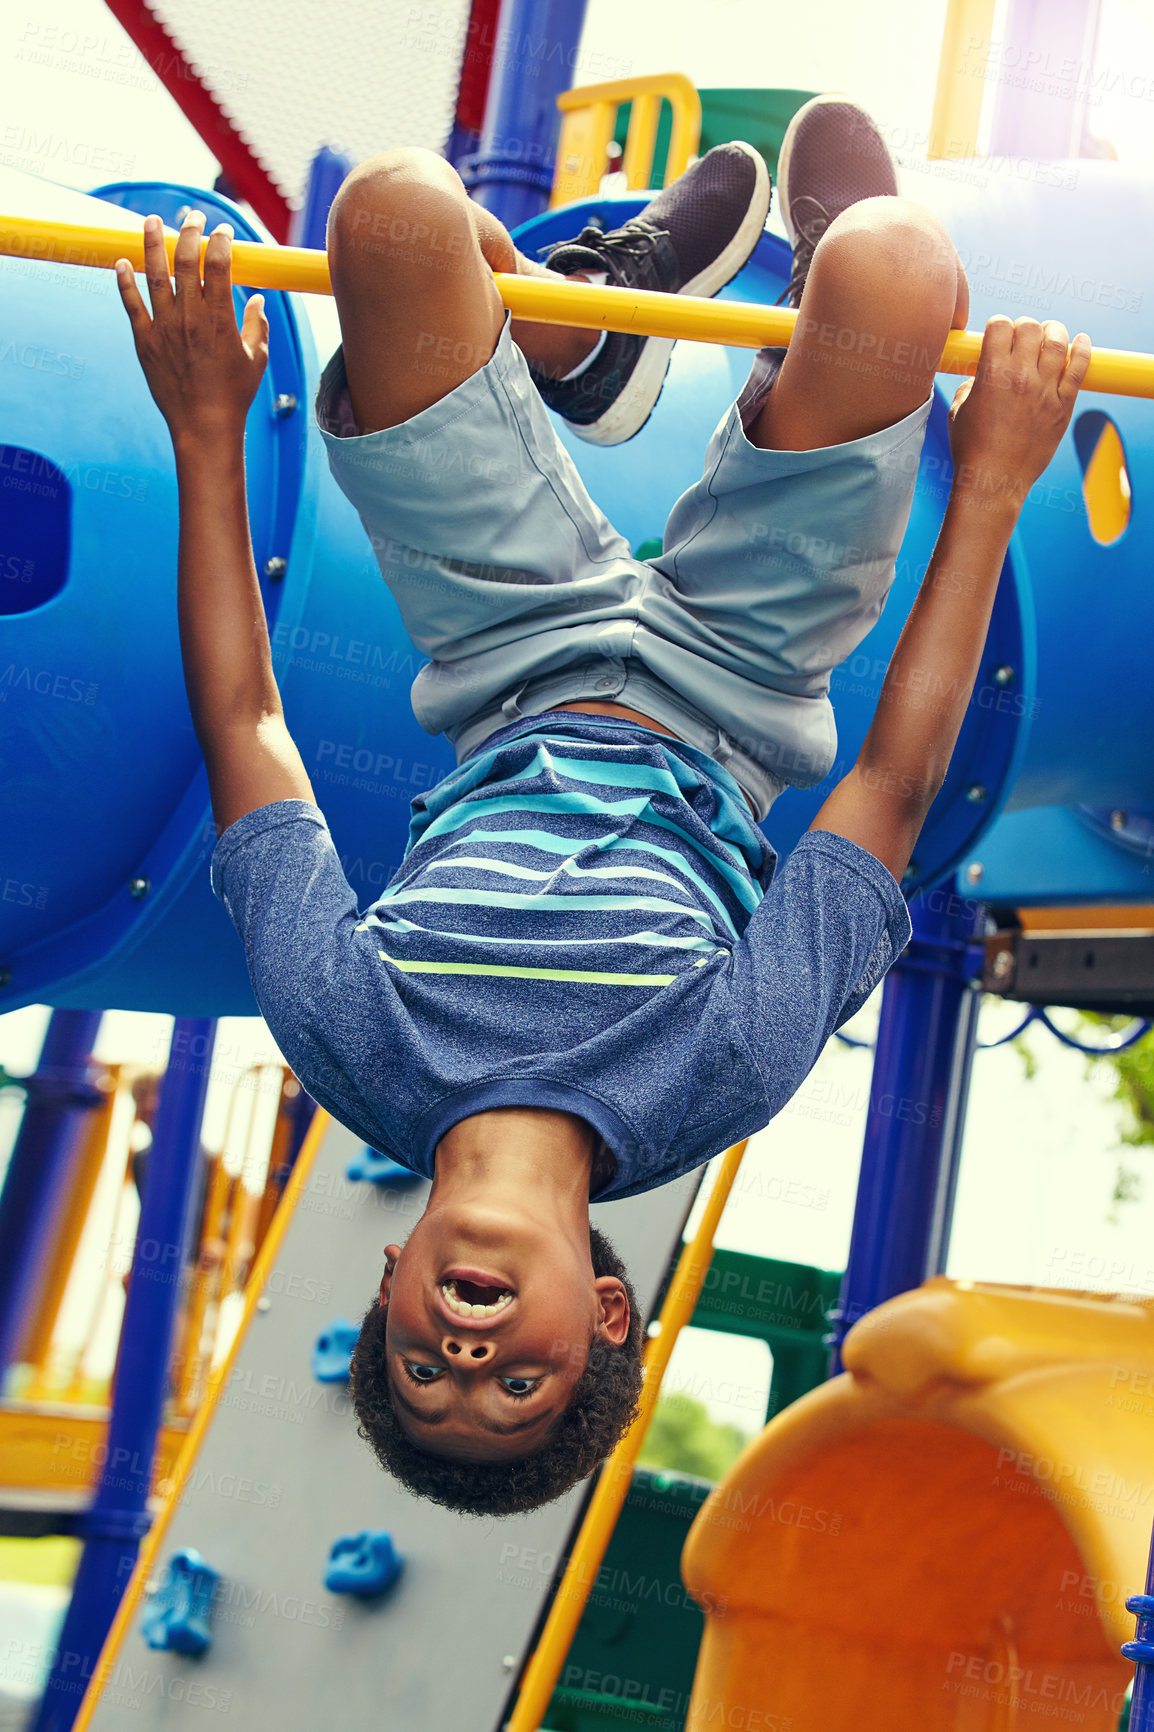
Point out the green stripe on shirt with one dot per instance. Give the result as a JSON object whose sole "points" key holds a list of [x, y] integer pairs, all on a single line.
{"points": [[529, 973]]}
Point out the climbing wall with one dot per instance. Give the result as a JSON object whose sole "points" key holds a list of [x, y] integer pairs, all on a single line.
{"points": [[282, 1474]]}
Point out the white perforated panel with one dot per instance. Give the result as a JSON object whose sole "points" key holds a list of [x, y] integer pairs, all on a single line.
{"points": [[357, 75]]}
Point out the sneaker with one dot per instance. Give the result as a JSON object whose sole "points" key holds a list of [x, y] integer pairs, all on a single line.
{"points": [[692, 239], [832, 156]]}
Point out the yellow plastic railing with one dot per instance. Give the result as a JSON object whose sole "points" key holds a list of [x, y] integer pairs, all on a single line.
{"points": [[589, 119], [1118, 372], [616, 1476]]}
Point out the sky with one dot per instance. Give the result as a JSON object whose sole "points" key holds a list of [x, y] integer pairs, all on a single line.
{"points": [[1040, 1155]]}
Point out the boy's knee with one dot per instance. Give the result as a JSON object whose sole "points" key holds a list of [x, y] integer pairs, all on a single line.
{"points": [[406, 207], [880, 245]]}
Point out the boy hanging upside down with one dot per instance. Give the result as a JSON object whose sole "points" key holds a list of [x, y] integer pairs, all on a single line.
{"points": [[585, 977]]}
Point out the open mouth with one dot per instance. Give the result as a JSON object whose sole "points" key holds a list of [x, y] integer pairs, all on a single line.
{"points": [[475, 1298]]}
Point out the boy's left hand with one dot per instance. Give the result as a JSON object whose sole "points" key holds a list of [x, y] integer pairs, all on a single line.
{"points": [[202, 371], [1006, 422]]}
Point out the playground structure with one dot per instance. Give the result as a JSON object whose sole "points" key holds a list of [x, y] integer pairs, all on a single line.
{"points": [[1047, 806], [989, 1417]]}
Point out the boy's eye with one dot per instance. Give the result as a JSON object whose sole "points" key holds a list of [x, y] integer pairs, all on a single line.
{"points": [[421, 1373], [520, 1385]]}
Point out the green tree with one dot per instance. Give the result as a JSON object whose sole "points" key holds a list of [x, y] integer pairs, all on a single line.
{"points": [[683, 1438], [1133, 1072], [1133, 1075]]}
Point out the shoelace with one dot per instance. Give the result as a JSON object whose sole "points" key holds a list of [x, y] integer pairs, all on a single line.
{"points": [[590, 236], [631, 242], [802, 259], [809, 232]]}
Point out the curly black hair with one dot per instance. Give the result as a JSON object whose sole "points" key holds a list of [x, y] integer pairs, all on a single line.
{"points": [[600, 1409]]}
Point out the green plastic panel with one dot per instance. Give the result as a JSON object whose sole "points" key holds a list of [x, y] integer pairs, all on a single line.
{"points": [[760, 117]]}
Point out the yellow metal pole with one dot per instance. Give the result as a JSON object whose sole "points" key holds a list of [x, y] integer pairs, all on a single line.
{"points": [[605, 1505], [641, 141], [961, 82], [81, 1185], [281, 1136], [78, 1390], [189, 1357], [1117, 372], [582, 148], [685, 131]]}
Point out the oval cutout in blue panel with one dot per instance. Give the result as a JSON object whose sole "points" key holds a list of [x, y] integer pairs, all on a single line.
{"points": [[1105, 475], [37, 529]]}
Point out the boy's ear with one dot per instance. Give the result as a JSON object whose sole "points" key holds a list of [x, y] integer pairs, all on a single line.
{"points": [[613, 1301], [392, 1252]]}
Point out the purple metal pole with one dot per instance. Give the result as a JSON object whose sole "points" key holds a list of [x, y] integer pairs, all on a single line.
{"points": [[1141, 1651], [117, 1520], [326, 172], [60, 1096], [534, 58], [917, 1098], [1044, 78]]}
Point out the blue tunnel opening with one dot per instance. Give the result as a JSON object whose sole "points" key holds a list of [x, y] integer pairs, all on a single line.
{"points": [[37, 529]]}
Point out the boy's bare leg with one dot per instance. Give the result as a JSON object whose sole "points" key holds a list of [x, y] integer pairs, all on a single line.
{"points": [[884, 289], [554, 350], [412, 261]]}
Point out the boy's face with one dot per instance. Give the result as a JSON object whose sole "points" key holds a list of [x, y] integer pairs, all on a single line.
{"points": [[489, 1387]]}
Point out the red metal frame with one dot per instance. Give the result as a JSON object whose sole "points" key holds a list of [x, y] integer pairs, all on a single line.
{"points": [[476, 64], [249, 179], [198, 104]]}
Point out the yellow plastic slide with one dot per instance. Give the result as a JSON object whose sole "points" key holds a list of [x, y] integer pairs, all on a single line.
{"points": [[942, 1538]]}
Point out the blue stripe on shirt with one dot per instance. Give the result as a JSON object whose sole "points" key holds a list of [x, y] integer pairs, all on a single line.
{"points": [[547, 813]]}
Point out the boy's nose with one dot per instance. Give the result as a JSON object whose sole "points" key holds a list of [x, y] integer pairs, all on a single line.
{"points": [[466, 1350]]}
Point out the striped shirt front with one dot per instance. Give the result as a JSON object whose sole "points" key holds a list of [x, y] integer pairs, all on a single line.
{"points": [[556, 855], [586, 920]]}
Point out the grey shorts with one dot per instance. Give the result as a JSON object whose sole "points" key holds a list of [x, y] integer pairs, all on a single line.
{"points": [[507, 575]]}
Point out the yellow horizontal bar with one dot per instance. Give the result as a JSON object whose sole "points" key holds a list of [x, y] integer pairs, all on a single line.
{"points": [[645, 312], [616, 1476], [255, 265]]}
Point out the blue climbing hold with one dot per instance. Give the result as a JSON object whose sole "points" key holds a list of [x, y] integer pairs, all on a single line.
{"points": [[177, 1619], [372, 1168], [333, 1351], [364, 1564]]}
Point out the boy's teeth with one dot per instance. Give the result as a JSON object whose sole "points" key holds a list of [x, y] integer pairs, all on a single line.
{"points": [[463, 1308]]}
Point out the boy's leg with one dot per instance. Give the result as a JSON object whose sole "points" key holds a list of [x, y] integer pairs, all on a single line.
{"points": [[438, 436], [505, 572], [412, 260], [783, 554], [411, 257], [883, 290], [875, 278]]}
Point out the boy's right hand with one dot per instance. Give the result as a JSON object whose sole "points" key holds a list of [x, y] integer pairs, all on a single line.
{"points": [[1007, 421], [202, 371]]}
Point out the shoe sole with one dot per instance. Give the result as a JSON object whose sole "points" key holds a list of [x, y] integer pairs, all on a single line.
{"points": [[628, 414], [784, 153]]}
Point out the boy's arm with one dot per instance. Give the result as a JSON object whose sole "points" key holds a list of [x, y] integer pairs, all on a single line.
{"points": [[1005, 425], [203, 374]]}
